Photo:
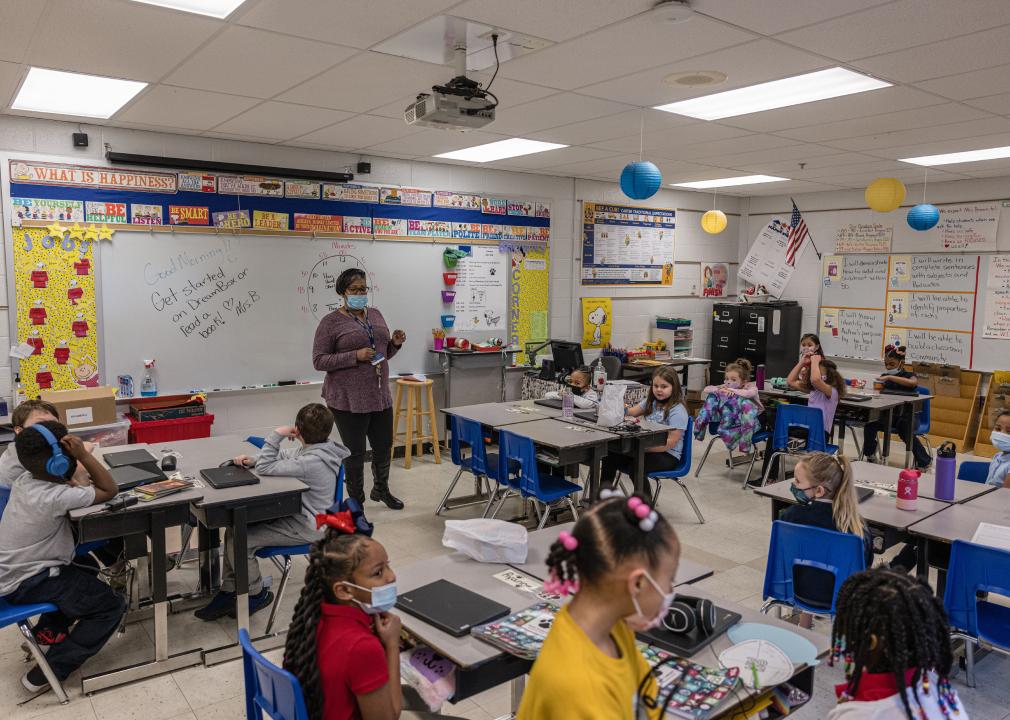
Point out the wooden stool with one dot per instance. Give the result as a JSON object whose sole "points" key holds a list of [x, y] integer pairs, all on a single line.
{"points": [[416, 412]]}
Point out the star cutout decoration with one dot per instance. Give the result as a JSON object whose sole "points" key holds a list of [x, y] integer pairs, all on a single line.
{"points": [[91, 233], [76, 231], [105, 233], [56, 230]]}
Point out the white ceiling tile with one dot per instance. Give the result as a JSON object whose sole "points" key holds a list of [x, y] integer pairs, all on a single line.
{"points": [[182, 108], [551, 19], [732, 146], [889, 122], [937, 147], [793, 187], [774, 16], [609, 168], [669, 143], [829, 165], [256, 63], [999, 104], [432, 142], [622, 49], [755, 161], [19, 20], [367, 81], [611, 126], [553, 158], [862, 179], [988, 168], [10, 76], [875, 102], [238, 136], [976, 83], [549, 112], [747, 64], [359, 132], [958, 55], [877, 168], [952, 131], [898, 25], [355, 24], [281, 121], [115, 39]]}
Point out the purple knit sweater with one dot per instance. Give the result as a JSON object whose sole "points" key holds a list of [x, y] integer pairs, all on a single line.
{"points": [[351, 385]]}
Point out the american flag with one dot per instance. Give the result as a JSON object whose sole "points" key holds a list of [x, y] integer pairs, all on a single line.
{"points": [[797, 234]]}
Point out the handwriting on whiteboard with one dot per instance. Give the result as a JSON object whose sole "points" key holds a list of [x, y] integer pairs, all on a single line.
{"points": [[969, 227], [864, 238], [997, 299]]}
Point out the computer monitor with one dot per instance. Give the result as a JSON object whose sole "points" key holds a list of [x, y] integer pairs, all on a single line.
{"points": [[567, 356]]}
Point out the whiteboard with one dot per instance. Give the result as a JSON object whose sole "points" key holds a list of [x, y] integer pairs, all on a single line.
{"points": [[224, 311], [852, 333], [853, 280]]}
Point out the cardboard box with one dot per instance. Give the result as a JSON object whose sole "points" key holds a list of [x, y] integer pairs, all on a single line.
{"points": [[947, 381], [926, 373], [86, 406]]}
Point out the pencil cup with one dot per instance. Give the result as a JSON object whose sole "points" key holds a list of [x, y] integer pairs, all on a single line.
{"points": [[448, 296], [448, 321], [449, 278], [439, 343]]}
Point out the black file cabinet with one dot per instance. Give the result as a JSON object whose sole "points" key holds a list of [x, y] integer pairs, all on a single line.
{"points": [[765, 333]]}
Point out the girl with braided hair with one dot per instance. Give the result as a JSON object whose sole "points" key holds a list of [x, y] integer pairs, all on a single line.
{"points": [[619, 561], [892, 633]]}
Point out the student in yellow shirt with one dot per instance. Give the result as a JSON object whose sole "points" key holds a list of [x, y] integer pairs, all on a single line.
{"points": [[619, 561]]}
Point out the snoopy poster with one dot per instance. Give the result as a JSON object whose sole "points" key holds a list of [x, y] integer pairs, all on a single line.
{"points": [[597, 321]]}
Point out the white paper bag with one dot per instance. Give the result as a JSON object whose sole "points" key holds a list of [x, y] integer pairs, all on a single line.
{"points": [[611, 406]]}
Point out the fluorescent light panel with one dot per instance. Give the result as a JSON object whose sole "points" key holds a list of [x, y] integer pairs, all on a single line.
{"points": [[489, 152], [820, 85], [63, 93], [730, 182], [213, 8], [961, 157]]}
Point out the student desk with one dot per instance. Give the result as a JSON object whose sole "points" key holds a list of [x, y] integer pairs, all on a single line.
{"points": [[885, 477], [496, 415], [140, 522], [540, 542], [634, 371], [483, 666], [876, 408]]}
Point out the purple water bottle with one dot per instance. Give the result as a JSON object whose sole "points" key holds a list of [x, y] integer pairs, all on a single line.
{"points": [[759, 377], [946, 465]]}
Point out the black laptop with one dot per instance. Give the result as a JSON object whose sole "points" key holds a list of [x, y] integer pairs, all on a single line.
{"points": [[549, 402], [450, 608], [136, 459], [129, 457], [228, 476], [130, 476], [863, 493], [899, 391]]}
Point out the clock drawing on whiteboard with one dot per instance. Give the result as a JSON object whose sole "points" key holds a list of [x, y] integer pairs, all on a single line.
{"points": [[321, 284]]}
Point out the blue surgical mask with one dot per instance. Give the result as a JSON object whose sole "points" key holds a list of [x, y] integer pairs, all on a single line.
{"points": [[801, 495], [383, 598], [357, 302], [1000, 440]]}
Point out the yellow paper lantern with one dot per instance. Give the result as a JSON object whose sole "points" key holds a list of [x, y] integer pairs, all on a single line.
{"points": [[885, 194], [713, 222]]}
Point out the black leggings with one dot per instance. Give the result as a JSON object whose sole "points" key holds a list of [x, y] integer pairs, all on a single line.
{"points": [[354, 428], [902, 424], [654, 462]]}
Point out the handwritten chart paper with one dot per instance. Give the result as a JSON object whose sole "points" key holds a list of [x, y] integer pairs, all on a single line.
{"points": [[933, 346], [854, 281], [852, 333], [481, 290], [864, 238], [971, 227], [765, 263], [997, 302]]}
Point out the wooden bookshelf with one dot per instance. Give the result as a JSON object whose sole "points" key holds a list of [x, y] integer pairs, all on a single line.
{"points": [[996, 399], [955, 417]]}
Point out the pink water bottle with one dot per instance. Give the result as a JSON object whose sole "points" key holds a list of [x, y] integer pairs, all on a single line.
{"points": [[908, 489]]}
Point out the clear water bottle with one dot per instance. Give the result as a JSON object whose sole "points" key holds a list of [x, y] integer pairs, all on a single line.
{"points": [[567, 404], [599, 378]]}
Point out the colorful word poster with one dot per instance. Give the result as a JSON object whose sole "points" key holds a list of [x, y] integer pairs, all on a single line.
{"points": [[627, 245], [765, 265], [270, 220], [968, 228], [310, 222], [56, 310], [145, 214], [864, 238], [250, 185], [105, 212], [714, 280], [232, 219], [597, 322], [188, 215], [458, 201], [481, 290], [529, 283], [997, 300], [48, 210]]}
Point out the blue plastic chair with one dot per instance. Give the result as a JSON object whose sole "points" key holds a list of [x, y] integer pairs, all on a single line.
{"points": [[269, 688], [280, 555], [791, 545], [484, 466], [975, 569], [19, 615], [761, 436], [973, 471], [256, 440], [517, 466], [713, 430], [801, 416], [680, 472]]}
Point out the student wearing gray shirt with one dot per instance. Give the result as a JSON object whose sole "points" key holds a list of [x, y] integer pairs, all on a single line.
{"points": [[37, 547]]}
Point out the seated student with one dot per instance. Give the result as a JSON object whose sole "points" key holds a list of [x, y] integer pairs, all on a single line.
{"points": [[37, 547], [735, 406], [896, 377], [316, 463], [343, 644], [999, 466], [826, 498], [578, 382], [892, 633], [619, 561], [663, 405], [25, 415]]}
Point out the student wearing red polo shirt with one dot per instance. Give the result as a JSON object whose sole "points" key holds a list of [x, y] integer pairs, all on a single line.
{"points": [[343, 644]]}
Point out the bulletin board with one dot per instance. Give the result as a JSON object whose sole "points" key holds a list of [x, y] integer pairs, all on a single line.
{"points": [[624, 245]]}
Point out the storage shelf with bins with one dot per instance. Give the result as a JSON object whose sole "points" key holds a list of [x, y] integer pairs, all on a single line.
{"points": [[676, 333], [953, 417]]}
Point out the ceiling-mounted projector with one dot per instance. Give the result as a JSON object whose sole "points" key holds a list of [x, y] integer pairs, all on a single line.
{"points": [[460, 104]]}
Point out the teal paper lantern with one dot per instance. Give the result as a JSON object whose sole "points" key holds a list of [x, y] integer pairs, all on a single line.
{"points": [[640, 180], [923, 216]]}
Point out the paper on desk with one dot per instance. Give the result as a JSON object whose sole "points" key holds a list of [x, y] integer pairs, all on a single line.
{"points": [[997, 536], [22, 351]]}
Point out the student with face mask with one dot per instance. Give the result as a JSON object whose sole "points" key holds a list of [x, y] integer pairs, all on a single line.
{"points": [[999, 467]]}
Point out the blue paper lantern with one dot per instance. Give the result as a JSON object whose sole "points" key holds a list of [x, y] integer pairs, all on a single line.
{"points": [[640, 180], [923, 216]]}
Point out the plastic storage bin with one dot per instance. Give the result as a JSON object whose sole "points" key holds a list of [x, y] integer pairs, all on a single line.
{"points": [[159, 431], [109, 435]]}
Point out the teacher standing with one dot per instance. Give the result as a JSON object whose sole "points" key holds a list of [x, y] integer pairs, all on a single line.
{"points": [[347, 347]]}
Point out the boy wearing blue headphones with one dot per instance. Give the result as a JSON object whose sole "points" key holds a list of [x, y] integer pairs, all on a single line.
{"points": [[37, 546]]}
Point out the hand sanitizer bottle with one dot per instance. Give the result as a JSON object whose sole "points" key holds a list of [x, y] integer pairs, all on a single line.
{"points": [[149, 388]]}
